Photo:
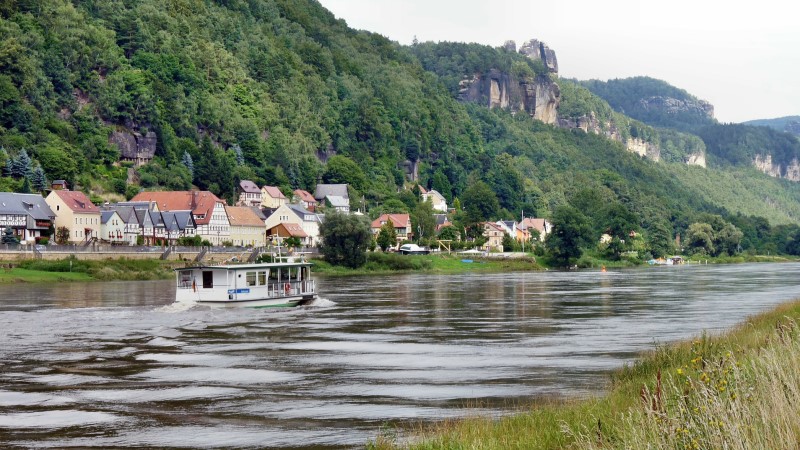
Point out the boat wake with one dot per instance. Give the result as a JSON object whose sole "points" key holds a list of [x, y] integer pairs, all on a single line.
{"points": [[320, 302], [176, 307]]}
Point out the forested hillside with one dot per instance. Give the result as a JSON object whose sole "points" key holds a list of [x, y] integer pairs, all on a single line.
{"points": [[659, 104], [282, 93]]}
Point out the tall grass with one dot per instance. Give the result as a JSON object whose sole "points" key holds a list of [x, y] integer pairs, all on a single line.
{"points": [[736, 391], [734, 399]]}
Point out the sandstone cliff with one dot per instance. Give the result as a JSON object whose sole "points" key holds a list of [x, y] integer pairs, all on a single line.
{"points": [[790, 172], [675, 106], [538, 96]]}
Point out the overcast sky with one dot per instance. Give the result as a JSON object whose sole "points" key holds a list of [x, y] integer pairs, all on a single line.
{"points": [[743, 57]]}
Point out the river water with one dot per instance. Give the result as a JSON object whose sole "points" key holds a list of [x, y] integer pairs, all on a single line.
{"points": [[118, 365]]}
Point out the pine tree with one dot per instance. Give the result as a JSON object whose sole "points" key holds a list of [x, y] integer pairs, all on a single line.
{"points": [[21, 165], [187, 161], [26, 186], [39, 179], [8, 236]]}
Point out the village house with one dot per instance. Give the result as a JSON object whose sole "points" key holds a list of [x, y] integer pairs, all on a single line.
{"points": [[112, 227], [247, 228], [28, 215], [441, 221], [295, 214], [437, 199], [208, 212], [542, 226], [334, 196], [77, 213], [400, 222], [272, 197], [285, 230], [494, 237], [305, 197], [249, 194]]}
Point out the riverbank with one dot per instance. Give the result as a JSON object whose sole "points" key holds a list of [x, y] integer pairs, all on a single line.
{"points": [[73, 269], [392, 263], [739, 390]]}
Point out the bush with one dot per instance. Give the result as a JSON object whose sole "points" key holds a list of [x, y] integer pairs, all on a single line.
{"points": [[393, 261]]}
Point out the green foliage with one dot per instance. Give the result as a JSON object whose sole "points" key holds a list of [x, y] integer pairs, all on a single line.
{"points": [[387, 236], [570, 232], [8, 237], [480, 203], [345, 239], [626, 95]]}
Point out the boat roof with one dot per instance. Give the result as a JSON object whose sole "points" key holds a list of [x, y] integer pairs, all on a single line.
{"points": [[248, 266]]}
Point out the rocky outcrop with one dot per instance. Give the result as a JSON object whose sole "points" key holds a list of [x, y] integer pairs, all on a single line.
{"points": [[643, 148], [790, 172], [674, 106], [697, 159], [537, 50], [538, 97], [793, 171], [134, 146]]}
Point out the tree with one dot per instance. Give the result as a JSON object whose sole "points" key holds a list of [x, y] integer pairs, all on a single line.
{"points": [[20, 167], [570, 232], [480, 203], [342, 170], [345, 239], [727, 240], [39, 179], [8, 236], [62, 235], [387, 236], [700, 238], [423, 223], [187, 161]]}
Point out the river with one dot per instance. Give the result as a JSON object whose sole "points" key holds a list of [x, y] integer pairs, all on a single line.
{"points": [[118, 365]]}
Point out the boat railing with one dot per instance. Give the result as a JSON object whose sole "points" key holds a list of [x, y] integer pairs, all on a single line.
{"points": [[289, 288]]}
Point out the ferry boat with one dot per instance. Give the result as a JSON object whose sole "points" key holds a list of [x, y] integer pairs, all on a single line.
{"points": [[259, 285]]}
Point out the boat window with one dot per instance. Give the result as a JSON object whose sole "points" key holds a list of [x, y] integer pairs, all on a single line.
{"points": [[262, 278], [185, 279], [251, 278], [208, 279], [273, 276]]}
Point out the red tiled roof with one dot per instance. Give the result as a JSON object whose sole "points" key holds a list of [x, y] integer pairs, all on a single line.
{"points": [[305, 196], [538, 224], [200, 203], [398, 220], [77, 201], [273, 192]]}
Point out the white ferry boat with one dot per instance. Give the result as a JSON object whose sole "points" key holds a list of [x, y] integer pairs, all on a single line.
{"points": [[252, 285]]}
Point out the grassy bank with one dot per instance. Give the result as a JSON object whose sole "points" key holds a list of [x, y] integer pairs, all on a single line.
{"points": [[389, 263], [740, 390], [72, 269]]}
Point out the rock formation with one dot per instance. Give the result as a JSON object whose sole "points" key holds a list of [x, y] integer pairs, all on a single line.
{"points": [[674, 106], [790, 172], [697, 159], [133, 146], [536, 50], [538, 97]]}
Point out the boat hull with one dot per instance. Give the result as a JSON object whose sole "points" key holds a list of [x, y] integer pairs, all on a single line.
{"points": [[284, 302]]}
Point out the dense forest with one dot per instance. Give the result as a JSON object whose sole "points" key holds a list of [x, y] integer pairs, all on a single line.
{"points": [[282, 93]]}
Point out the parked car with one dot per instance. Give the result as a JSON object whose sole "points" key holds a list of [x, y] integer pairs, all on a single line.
{"points": [[413, 249]]}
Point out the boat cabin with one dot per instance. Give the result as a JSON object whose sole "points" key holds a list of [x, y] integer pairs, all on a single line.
{"points": [[267, 284]]}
